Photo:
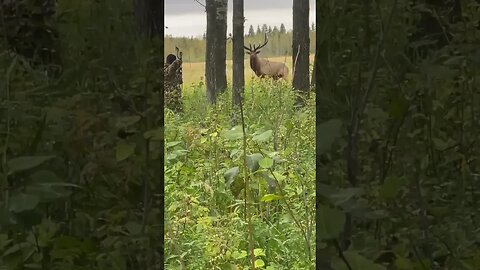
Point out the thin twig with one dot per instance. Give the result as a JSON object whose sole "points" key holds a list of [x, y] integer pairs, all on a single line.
{"points": [[203, 5], [247, 189], [341, 255]]}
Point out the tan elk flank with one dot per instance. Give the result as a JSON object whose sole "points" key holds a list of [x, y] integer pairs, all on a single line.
{"points": [[264, 67]]}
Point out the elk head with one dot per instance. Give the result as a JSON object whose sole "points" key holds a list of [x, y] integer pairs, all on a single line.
{"points": [[263, 67]]}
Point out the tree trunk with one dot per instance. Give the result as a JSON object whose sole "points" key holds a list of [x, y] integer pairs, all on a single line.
{"points": [[221, 46], [238, 58], [216, 48], [210, 52], [314, 72], [149, 18], [301, 49]]}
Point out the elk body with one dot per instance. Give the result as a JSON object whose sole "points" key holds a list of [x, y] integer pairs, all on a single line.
{"points": [[264, 67]]}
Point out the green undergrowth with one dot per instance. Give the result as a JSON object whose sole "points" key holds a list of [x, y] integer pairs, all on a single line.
{"points": [[205, 227]]}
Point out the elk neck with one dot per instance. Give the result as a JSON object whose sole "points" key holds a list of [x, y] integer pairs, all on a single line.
{"points": [[254, 62]]}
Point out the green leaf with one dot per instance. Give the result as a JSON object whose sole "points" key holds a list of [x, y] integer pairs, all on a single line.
{"points": [[279, 177], [134, 228], [22, 202], [391, 187], [230, 175], [172, 144], [403, 263], [266, 163], [124, 150], [330, 222], [327, 132], [123, 122], [343, 195], [270, 197], [154, 134], [50, 191], [259, 252], [252, 161], [239, 255], [44, 176], [337, 196], [356, 261], [24, 163], [264, 137], [233, 134], [259, 263]]}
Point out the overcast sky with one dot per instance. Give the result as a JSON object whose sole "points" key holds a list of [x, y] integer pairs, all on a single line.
{"points": [[188, 18]]}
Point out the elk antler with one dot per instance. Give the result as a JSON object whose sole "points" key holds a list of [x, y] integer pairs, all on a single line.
{"points": [[264, 43], [255, 48]]}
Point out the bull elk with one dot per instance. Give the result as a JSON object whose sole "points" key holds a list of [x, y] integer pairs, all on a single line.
{"points": [[264, 67]]}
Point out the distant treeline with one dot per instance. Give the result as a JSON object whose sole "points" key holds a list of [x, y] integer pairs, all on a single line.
{"points": [[279, 43]]}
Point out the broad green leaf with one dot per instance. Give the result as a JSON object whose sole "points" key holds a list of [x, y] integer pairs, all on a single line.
{"points": [[22, 202], [327, 132], [252, 161], [16, 248], [4, 241], [356, 261], [24, 163], [123, 122], [46, 193], [330, 222], [154, 134], [391, 187], [279, 177], [266, 163], [45, 176], [264, 137], [124, 150], [270, 197], [259, 252], [343, 195], [239, 255], [337, 196], [230, 175], [176, 153], [133, 227], [172, 144], [259, 263], [403, 263], [234, 133]]}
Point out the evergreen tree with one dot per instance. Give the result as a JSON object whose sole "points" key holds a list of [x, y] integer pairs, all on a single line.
{"points": [[269, 29], [264, 28], [275, 29], [251, 31], [258, 30], [282, 29], [313, 26]]}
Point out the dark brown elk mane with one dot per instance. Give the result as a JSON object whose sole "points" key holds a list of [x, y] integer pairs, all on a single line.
{"points": [[263, 67]]}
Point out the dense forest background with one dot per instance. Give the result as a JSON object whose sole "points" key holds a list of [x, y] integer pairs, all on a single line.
{"points": [[397, 137]]}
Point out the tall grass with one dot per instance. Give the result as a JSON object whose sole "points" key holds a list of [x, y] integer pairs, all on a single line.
{"points": [[194, 72], [204, 221]]}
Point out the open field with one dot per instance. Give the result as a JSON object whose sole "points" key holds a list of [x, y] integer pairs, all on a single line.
{"points": [[195, 71]]}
